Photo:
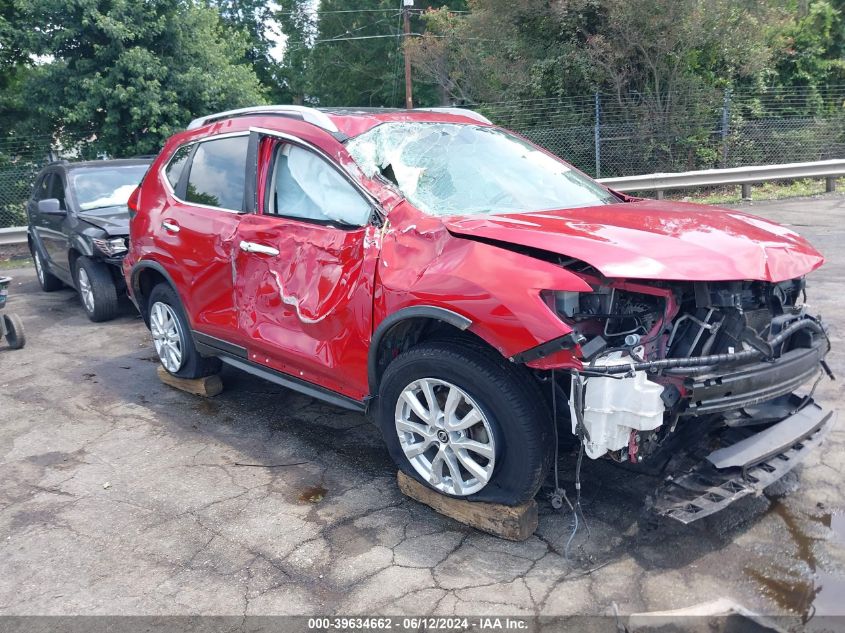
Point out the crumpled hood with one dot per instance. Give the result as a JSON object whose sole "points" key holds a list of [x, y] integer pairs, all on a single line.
{"points": [[651, 239], [113, 220]]}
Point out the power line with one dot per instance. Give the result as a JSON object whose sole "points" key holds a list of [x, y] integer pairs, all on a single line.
{"points": [[341, 37], [350, 11]]}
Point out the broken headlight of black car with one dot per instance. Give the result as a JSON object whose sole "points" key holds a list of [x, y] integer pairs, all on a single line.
{"points": [[111, 247]]}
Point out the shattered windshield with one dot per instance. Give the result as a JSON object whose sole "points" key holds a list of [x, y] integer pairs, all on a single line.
{"points": [[454, 169]]}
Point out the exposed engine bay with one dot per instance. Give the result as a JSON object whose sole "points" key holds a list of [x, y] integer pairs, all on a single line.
{"points": [[666, 364]]}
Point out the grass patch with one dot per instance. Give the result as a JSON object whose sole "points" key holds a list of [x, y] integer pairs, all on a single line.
{"points": [[760, 192], [15, 262]]}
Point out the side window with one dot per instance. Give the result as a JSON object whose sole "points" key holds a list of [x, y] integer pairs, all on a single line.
{"points": [[305, 186], [42, 187], [174, 168], [57, 190], [217, 173]]}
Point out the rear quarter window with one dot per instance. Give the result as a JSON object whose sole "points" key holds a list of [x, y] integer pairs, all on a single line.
{"points": [[176, 165], [217, 173]]}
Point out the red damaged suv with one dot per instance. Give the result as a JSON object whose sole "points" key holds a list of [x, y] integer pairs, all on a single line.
{"points": [[479, 297]]}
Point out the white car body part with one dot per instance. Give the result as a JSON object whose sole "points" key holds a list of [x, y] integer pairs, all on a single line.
{"points": [[613, 407]]}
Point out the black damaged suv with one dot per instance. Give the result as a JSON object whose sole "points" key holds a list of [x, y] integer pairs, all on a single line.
{"points": [[79, 227]]}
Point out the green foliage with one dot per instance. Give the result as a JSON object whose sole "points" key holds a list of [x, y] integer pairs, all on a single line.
{"points": [[252, 19], [364, 72], [119, 76], [123, 75], [299, 24], [809, 51], [345, 57]]}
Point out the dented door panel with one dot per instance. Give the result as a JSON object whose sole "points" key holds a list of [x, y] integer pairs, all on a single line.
{"points": [[306, 311], [201, 253]]}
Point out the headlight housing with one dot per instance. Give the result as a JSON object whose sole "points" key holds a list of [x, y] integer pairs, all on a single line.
{"points": [[111, 246], [568, 304]]}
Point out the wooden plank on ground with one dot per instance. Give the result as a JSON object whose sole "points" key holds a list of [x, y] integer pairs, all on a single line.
{"points": [[208, 387], [514, 523]]}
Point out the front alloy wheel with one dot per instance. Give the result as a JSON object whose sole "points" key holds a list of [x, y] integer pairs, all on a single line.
{"points": [[167, 336], [445, 436], [96, 289], [460, 419]]}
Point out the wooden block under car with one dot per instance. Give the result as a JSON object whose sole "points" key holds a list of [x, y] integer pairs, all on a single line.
{"points": [[208, 387], [514, 523]]}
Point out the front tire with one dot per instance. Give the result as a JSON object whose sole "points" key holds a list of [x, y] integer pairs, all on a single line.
{"points": [[172, 338], [96, 290], [47, 281], [463, 421]]}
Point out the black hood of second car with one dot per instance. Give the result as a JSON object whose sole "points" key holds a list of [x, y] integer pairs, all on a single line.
{"points": [[113, 220]]}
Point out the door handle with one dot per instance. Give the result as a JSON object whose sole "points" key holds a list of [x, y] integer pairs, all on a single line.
{"points": [[252, 247], [171, 226]]}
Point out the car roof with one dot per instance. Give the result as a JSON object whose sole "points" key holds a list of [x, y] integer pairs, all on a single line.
{"points": [[344, 122], [112, 162], [355, 121]]}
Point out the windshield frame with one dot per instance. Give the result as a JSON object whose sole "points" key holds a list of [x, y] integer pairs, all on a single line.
{"points": [[604, 195]]}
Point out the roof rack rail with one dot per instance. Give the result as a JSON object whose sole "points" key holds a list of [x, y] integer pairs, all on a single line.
{"points": [[470, 114], [309, 115]]}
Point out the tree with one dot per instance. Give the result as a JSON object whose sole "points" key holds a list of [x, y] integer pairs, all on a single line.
{"points": [[350, 52], [357, 72], [661, 50], [298, 22], [809, 52], [505, 50], [254, 19], [122, 75]]}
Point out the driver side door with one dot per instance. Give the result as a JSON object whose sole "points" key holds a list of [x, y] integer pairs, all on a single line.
{"points": [[304, 269]]}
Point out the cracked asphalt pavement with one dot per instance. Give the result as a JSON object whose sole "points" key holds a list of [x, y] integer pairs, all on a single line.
{"points": [[120, 495]]}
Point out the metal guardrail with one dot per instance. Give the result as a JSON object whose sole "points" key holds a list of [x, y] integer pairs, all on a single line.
{"points": [[13, 235], [744, 176]]}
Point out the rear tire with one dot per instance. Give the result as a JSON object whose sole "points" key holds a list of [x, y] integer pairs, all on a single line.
{"points": [[47, 281], [514, 421], [172, 338], [95, 285], [15, 336]]}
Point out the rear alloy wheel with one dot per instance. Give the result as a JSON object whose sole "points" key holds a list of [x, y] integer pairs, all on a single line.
{"points": [[96, 289], [167, 336], [47, 281], [171, 332]]}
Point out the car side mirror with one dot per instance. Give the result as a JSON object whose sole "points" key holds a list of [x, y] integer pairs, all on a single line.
{"points": [[50, 206]]}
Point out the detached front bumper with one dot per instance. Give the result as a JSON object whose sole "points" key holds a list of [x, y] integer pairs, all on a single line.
{"points": [[752, 384], [745, 463]]}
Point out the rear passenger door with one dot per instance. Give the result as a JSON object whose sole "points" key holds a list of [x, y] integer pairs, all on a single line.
{"points": [[199, 231]]}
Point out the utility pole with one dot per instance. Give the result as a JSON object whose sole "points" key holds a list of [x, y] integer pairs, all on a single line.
{"points": [[406, 18]]}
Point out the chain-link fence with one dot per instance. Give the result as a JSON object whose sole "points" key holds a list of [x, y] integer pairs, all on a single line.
{"points": [[607, 135], [614, 135], [20, 161]]}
